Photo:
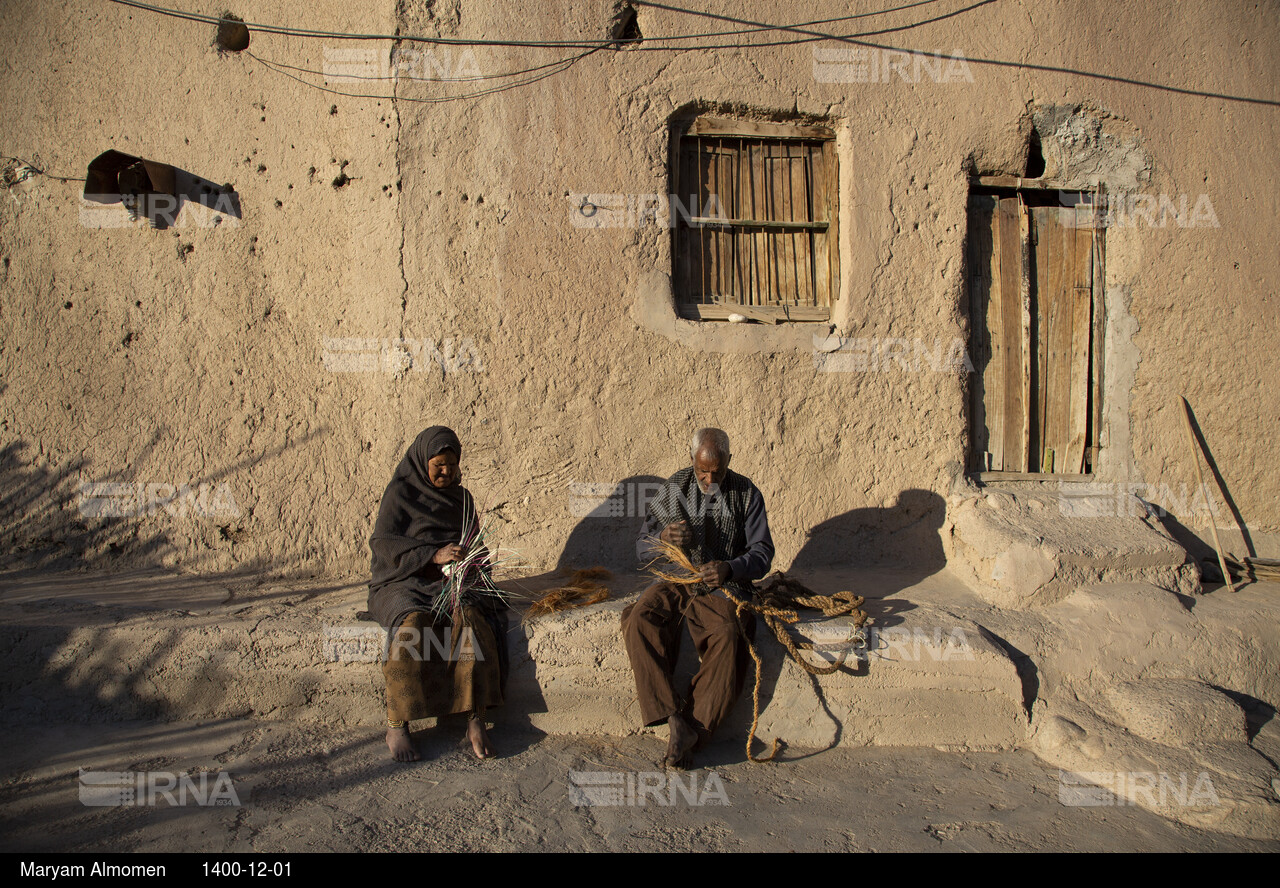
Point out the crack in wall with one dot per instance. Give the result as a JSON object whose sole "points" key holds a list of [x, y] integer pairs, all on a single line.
{"points": [[395, 153]]}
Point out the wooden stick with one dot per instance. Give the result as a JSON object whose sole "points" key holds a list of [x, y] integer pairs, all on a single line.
{"points": [[1213, 523]]}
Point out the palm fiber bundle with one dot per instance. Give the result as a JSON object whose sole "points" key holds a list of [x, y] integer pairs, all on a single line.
{"points": [[680, 571], [585, 587], [470, 579]]}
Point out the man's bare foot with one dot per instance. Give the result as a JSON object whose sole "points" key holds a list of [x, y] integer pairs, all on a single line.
{"points": [[401, 746], [479, 738], [682, 739]]}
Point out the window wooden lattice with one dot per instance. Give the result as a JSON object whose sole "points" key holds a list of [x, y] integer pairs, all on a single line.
{"points": [[1035, 290], [755, 221]]}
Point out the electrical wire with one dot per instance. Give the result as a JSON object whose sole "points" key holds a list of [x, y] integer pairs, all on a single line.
{"points": [[562, 65], [331, 76], [661, 44], [971, 60], [612, 43], [35, 169], [542, 71], [803, 28]]}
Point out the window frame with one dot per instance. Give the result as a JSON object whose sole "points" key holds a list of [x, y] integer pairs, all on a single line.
{"points": [[818, 274]]}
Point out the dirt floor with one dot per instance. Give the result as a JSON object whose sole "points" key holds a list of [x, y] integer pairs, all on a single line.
{"points": [[301, 765], [307, 789]]}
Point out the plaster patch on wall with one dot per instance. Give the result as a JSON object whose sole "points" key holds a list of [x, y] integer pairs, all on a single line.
{"points": [[1121, 357], [425, 16], [1081, 150]]}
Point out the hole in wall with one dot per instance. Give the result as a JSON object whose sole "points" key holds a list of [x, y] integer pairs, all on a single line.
{"points": [[1035, 157], [233, 35], [626, 26]]}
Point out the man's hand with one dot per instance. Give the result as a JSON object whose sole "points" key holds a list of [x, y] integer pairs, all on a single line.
{"points": [[448, 553], [714, 573], [678, 534]]}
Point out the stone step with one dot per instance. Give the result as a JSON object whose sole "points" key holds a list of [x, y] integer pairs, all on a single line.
{"points": [[1034, 548], [92, 651], [931, 679]]}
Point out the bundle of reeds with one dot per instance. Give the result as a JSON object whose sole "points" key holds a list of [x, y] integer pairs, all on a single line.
{"points": [[585, 587], [470, 579], [1255, 569]]}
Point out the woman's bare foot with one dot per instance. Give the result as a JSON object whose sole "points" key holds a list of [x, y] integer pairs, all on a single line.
{"points": [[401, 746], [681, 740], [479, 737]]}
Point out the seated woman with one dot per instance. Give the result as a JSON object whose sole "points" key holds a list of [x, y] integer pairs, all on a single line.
{"points": [[444, 656]]}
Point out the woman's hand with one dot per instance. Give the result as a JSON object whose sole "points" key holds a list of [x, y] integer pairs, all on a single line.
{"points": [[449, 553]]}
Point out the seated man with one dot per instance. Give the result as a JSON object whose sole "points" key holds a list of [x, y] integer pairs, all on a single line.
{"points": [[718, 518]]}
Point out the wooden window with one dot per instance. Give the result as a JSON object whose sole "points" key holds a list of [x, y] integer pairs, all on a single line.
{"points": [[754, 221], [1035, 272]]}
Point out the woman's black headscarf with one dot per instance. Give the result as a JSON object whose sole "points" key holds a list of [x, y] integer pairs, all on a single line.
{"points": [[416, 518]]}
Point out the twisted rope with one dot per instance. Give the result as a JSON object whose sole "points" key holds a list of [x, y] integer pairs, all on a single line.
{"points": [[779, 600]]}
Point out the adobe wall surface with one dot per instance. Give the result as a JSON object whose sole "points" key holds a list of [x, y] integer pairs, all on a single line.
{"points": [[203, 355]]}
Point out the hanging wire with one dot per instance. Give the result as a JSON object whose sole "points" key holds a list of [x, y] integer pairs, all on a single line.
{"points": [[664, 44], [755, 28], [558, 67], [35, 169]]}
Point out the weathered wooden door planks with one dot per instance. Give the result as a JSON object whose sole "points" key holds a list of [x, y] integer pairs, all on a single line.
{"points": [[1032, 304]]}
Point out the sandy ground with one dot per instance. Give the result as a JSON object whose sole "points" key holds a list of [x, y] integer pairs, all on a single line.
{"points": [[302, 790]]}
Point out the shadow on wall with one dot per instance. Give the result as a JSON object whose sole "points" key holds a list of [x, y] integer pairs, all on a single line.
{"points": [[611, 520], [1202, 504], [75, 518], [1199, 552], [150, 189], [42, 528], [903, 536]]}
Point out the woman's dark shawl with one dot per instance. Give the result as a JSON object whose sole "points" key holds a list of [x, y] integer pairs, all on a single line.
{"points": [[416, 519]]}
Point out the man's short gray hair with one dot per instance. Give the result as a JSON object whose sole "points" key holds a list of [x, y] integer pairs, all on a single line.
{"points": [[715, 439]]}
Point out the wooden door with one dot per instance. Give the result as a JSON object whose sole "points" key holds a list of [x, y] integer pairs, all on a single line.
{"points": [[1031, 282]]}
